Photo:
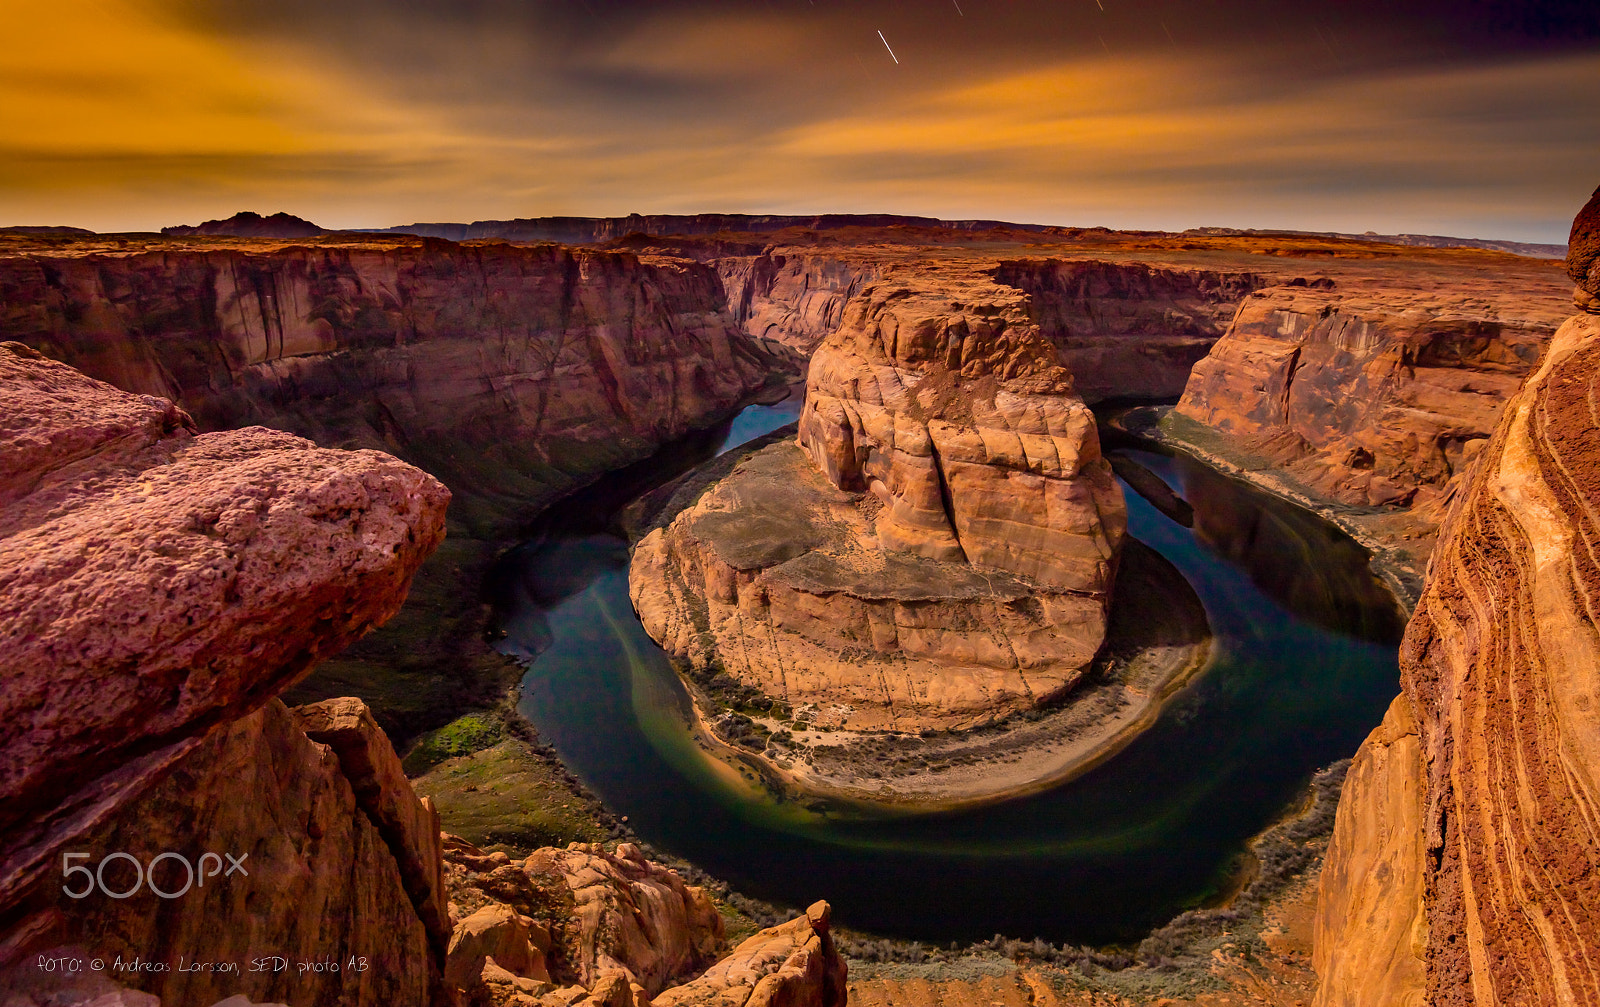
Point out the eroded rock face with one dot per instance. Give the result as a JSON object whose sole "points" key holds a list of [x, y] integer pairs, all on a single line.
{"points": [[794, 964], [601, 913], [155, 584], [941, 399], [1128, 329], [793, 297], [1367, 399], [1501, 665], [937, 551], [323, 884], [511, 373]]}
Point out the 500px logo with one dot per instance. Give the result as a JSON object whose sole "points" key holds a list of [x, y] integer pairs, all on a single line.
{"points": [[195, 875]]}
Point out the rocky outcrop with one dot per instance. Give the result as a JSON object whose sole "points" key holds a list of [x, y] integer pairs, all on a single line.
{"points": [[1371, 936], [155, 585], [409, 826], [938, 551], [510, 373], [1128, 329], [318, 881], [1499, 666], [1365, 399], [794, 963], [1583, 255], [589, 914]]}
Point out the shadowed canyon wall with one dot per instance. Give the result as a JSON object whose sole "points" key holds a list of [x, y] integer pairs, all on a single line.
{"points": [[511, 373], [1128, 329]]}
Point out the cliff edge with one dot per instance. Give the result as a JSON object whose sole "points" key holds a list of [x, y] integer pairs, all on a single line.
{"points": [[1488, 896]]}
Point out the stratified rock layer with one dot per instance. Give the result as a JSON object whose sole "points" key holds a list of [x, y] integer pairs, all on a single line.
{"points": [[155, 584], [1501, 665], [1367, 400]]}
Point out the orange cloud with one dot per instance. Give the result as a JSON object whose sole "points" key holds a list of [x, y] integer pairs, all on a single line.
{"points": [[119, 113]]}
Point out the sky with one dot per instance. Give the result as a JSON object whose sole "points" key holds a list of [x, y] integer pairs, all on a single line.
{"points": [[1478, 118]]}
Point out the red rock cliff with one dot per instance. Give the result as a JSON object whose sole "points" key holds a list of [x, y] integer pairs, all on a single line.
{"points": [[511, 373], [1501, 672]]}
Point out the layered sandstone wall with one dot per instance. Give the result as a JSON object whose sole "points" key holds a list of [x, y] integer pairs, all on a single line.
{"points": [[1501, 667], [511, 373], [1367, 398], [1128, 329]]}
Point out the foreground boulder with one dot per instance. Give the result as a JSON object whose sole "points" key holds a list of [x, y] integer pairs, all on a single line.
{"points": [[1497, 903], [157, 589], [155, 585]]}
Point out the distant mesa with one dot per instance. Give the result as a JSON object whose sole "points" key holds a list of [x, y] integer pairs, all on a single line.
{"points": [[44, 230], [250, 225], [1528, 248], [586, 230]]}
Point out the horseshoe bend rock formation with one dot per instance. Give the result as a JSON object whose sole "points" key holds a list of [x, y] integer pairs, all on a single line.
{"points": [[937, 550], [1475, 868]]}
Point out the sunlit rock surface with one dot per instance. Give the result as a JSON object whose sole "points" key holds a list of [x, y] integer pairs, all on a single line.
{"points": [[1501, 665]]}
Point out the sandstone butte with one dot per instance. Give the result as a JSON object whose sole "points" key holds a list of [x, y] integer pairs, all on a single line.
{"points": [[1465, 855], [158, 588], [939, 547]]}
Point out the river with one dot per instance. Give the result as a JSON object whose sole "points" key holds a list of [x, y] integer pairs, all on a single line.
{"points": [[1303, 666]]}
